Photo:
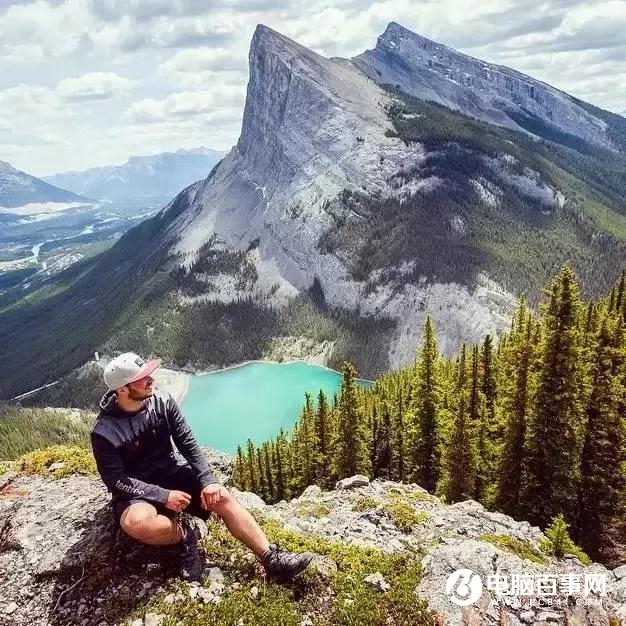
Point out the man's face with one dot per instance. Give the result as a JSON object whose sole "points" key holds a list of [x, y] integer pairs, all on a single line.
{"points": [[140, 389]]}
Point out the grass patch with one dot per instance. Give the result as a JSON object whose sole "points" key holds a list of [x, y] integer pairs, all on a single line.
{"points": [[404, 516], [341, 599], [364, 606], [420, 496], [313, 509], [365, 503], [523, 549], [75, 461]]}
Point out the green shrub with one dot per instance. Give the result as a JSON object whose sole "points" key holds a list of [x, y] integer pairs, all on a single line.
{"points": [[523, 549], [364, 503], [75, 461], [558, 542], [404, 516]]}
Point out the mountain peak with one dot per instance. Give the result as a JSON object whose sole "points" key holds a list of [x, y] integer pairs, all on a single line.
{"points": [[492, 93], [6, 166], [280, 67], [268, 41]]}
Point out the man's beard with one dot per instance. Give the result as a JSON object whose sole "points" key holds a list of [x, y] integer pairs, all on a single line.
{"points": [[138, 395]]}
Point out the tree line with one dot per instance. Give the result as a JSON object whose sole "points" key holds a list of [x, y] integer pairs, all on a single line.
{"points": [[534, 426]]}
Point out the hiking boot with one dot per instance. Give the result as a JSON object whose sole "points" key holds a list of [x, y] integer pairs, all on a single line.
{"points": [[282, 565], [191, 564]]}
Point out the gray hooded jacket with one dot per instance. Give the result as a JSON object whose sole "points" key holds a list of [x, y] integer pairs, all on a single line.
{"points": [[133, 451]]}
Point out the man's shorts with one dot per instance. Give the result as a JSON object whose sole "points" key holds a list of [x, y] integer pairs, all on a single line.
{"points": [[182, 479]]}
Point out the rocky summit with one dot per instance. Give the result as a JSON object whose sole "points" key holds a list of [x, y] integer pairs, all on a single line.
{"points": [[64, 562]]}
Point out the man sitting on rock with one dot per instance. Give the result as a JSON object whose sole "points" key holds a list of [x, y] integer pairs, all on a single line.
{"points": [[152, 484]]}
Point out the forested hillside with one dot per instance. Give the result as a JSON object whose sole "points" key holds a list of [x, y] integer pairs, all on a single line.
{"points": [[533, 427], [489, 199]]}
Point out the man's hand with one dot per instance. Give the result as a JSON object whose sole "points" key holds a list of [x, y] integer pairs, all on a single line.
{"points": [[177, 500], [211, 495]]}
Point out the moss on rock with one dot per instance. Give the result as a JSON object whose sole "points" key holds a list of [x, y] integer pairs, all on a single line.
{"points": [[68, 459], [523, 549]]}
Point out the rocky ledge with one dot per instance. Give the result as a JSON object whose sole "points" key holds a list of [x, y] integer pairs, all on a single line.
{"points": [[63, 561]]}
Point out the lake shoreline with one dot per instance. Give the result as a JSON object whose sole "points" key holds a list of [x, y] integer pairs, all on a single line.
{"points": [[179, 378]]}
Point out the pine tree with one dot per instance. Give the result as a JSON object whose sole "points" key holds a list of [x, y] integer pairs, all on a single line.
{"points": [[241, 474], [516, 397], [490, 431], [603, 481], [398, 449], [555, 435], [262, 491], [323, 438], [271, 494], [253, 476], [280, 491], [352, 449], [308, 442], [460, 457], [424, 432], [621, 292], [381, 461]]}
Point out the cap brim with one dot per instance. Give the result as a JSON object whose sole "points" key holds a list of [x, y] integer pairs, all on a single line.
{"points": [[146, 370]]}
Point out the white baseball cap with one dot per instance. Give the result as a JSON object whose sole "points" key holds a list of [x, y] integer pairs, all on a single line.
{"points": [[127, 368]]}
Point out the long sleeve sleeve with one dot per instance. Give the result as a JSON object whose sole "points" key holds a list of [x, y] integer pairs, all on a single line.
{"points": [[187, 445], [111, 469]]}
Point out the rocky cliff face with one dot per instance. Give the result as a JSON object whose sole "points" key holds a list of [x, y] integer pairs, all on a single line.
{"points": [[313, 127], [489, 92], [64, 562]]}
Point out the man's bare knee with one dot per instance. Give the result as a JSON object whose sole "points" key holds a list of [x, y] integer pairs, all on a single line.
{"points": [[138, 520], [227, 502]]}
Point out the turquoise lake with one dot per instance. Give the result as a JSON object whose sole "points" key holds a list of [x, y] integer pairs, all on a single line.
{"points": [[255, 400]]}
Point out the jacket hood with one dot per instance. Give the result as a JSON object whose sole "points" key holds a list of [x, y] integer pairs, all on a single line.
{"points": [[108, 402]]}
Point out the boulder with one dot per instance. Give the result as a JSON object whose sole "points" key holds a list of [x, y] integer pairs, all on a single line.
{"points": [[221, 464], [312, 491], [358, 480], [248, 500]]}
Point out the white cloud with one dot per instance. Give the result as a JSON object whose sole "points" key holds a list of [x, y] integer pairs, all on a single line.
{"points": [[39, 30], [29, 100], [94, 86], [200, 59], [194, 69], [186, 104]]}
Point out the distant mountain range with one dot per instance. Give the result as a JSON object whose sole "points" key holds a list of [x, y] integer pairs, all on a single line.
{"points": [[362, 196], [156, 178], [18, 188]]}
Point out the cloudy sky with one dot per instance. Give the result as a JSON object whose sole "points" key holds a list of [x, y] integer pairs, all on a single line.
{"points": [[91, 82]]}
